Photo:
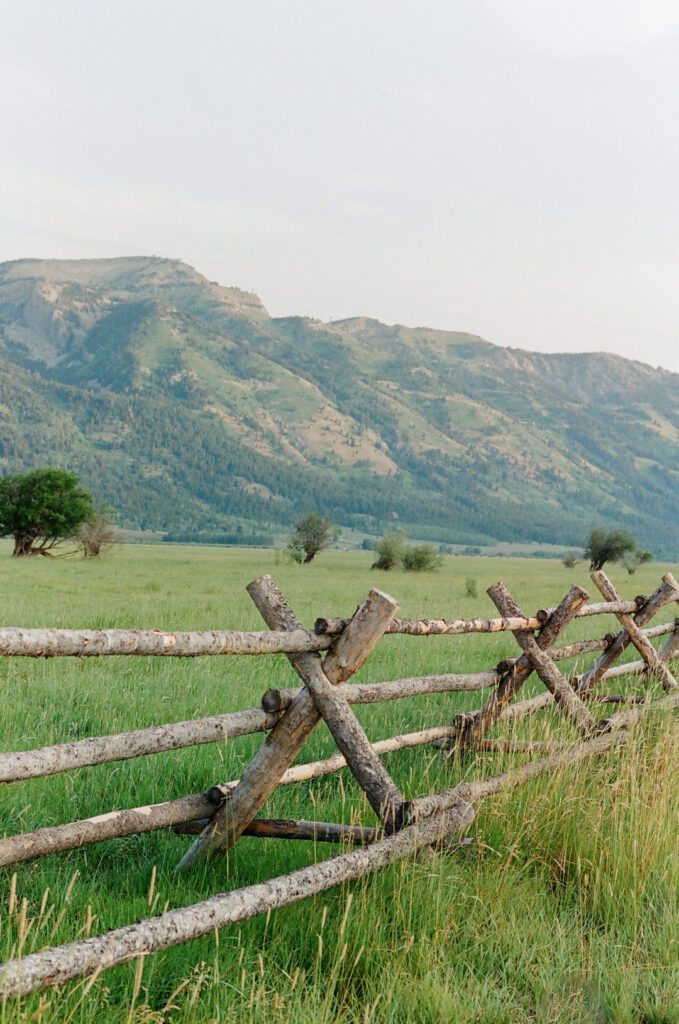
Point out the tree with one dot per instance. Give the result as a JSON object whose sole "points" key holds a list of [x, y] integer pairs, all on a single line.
{"points": [[389, 551], [570, 559], [312, 534], [42, 508], [98, 533], [608, 546]]}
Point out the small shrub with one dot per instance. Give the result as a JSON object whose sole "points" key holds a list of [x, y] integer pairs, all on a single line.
{"points": [[420, 558], [389, 551], [98, 533], [632, 562], [296, 554], [470, 587], [570, 560]]}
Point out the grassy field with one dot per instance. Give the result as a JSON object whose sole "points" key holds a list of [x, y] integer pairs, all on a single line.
{"points": [[565, 910]]}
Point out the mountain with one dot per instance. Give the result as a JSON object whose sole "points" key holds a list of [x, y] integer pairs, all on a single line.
{"points": [[192, 411]]}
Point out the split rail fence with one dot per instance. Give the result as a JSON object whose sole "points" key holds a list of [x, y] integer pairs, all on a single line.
{"points": [[218, 817]]}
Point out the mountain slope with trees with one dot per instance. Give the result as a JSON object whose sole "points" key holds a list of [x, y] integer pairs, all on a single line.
{"points": [[189, 409]]}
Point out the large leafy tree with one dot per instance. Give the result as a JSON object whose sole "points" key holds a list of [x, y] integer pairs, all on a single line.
{"points": [[42, 508], [312, 534], [610, 546]]}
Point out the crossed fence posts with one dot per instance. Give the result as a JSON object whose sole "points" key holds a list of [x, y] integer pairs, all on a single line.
{"points": [[225, 812]]}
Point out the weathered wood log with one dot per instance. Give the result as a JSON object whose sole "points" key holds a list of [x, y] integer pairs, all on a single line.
{"points": [[614, 698], [383, 795], [83, 958], [662, 630], [644, 646], [519, 746], [16, 641], [395, 689], [51, 760], [565, 697], [291, 828], [473, 726], [263, 774], [628, 668], [152, 817], [670, 649], [88, 956], [574, 650], [629, 718], [599, 672], [342, 661], [32, 764], [113, 825], [580, 647], [452, 627], [436, 803], [544, 700], [667, 591]]}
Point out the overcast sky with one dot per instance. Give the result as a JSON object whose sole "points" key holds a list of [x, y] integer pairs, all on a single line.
{"points": [[505, 167]]}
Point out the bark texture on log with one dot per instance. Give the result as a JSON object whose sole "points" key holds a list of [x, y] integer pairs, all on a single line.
{"points": [[51, 760], [436, 803], [92, 643], [670, 649], [151, 818], [87, 956], [644, 646], [395, 689], [452, 627], [32, 764], [473, 726], [599, 672], [343, 659], [284, 742], [666, 592], [627, 719], [17, 641], [293, 828], [558, 686], [57, 838]]}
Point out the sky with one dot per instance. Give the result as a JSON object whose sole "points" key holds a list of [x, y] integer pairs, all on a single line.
{"points": [[504, 167]]}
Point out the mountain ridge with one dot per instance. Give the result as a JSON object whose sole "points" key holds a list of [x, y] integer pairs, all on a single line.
{"points": [[189, 408]]}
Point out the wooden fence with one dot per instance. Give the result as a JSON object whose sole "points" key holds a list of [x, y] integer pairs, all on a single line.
{"points": [[221, 815]]}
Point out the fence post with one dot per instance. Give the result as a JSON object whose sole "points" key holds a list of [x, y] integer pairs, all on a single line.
{"points": [[558, 686], [667, 591], [644, 646], [288, 736], [670, 649], [472, 727]]}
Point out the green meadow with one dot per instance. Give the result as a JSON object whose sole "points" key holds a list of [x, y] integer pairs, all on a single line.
{"points": [[565, 909]]}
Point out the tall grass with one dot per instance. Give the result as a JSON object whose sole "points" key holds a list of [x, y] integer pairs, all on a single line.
{"points": [[566, 909]]}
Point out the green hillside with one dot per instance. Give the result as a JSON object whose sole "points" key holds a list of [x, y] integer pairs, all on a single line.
{"points": [[192, 411]]}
